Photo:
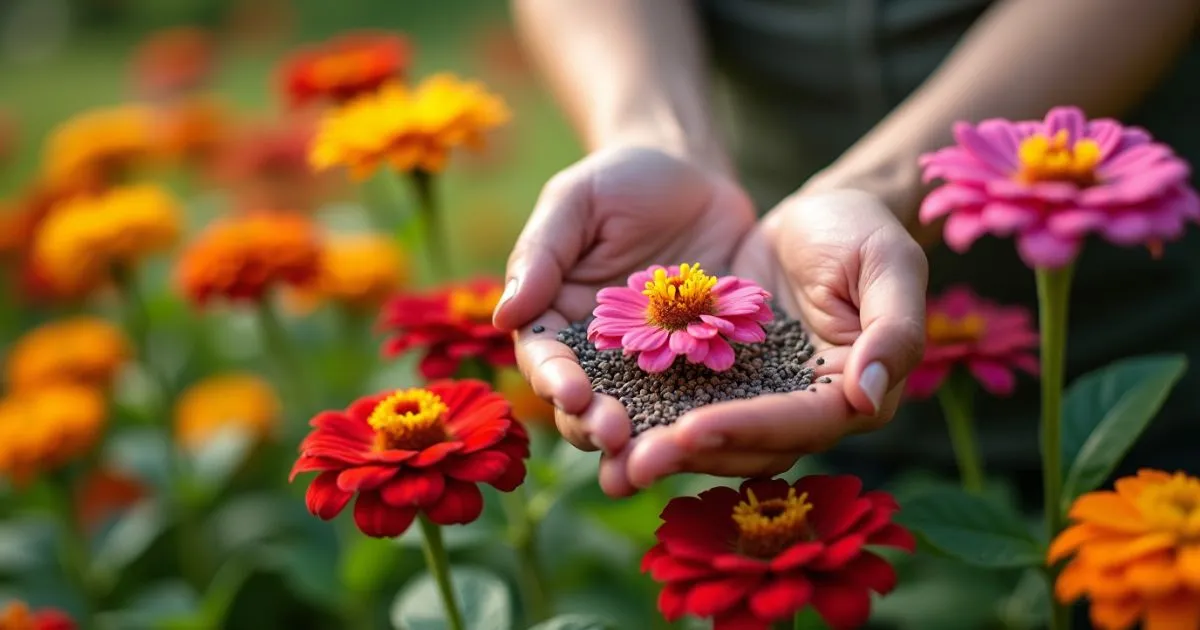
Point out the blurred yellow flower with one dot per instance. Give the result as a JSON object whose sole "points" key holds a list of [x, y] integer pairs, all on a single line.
{"points": [[527, 406], [409, 129], [101, 145], [236, 399], [359, 271], [87, 238], [45, 428], [82, 350]]}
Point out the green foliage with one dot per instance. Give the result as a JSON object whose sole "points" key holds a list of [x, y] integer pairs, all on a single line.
{"points": [[971, 529], [483, 598], [575, 622]]}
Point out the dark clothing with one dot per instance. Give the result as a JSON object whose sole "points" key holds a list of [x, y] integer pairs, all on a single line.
{"points": [[804, 79]]}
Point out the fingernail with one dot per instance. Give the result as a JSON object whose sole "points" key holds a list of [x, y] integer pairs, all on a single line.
{"points": [[874, 383], [510, 289]]}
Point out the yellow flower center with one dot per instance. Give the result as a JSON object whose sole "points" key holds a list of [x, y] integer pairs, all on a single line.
{"points": [[1045, 158], [409, 419], [1173, 506], [472, 306], [766, 528], [16, 616], [679, 300], [941, 329]]}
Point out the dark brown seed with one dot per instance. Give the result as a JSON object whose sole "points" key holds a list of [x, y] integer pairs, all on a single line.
{"points": [[539, 329]]}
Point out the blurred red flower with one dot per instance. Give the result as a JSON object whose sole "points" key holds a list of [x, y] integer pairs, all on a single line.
{"points": [[756, 555], [104, 493], [16, 615], [265, 165], [344, 67], [409, 451], [173, 61], [451, 324]]}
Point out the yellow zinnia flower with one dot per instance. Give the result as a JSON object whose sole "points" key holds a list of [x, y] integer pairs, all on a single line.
{"points": [[409, 129], [101, 145], [82, 350], [358, 271], [85, 239], [48, 427], [236, 399], [1136, 552]]}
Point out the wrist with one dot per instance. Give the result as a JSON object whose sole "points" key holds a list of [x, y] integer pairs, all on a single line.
{"points": [[687, 136]]}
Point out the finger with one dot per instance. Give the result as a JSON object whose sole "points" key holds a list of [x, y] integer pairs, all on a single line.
{"points": [[651, 460], [892, 286], [614, 479], [829, 361], [551, 368], [604, 426], [553, 239]]}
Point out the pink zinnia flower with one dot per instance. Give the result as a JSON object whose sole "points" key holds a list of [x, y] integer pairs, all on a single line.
{"points": [[1051, 183], [962, 329], [666, 312]]}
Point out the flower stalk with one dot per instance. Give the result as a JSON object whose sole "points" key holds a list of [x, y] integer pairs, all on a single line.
{"points": [[535, 591], [1054, 289], [287, 361], [432, 224], [439, 566], [955, 397]]}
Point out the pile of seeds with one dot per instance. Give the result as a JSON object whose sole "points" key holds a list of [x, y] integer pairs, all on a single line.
{"points": [[773, 367]]}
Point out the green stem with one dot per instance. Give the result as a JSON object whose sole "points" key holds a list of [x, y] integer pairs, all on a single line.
{"points": [[74, 554], [287, 361], [955, 397], [1054, 292], [432, 221], [535, 592], [439, 565]]}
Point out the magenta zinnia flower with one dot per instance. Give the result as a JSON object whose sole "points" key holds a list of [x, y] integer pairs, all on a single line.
{"points": [[989, 340], [1051, 183], [666, 312]]}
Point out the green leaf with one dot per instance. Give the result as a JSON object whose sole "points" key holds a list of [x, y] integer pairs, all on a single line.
{"points": [[367, 562], [1105, 412], [473, 534], [576, 622], [482, 598], [971, 529], [221, 456], [126, 540]]}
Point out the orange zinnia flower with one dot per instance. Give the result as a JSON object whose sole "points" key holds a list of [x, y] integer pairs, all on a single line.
{"points": [[194, 129], [239, 400], [16, 615], [45, 428], [243, 256], [358, 271], [1136, 553], [344, 67], [173, 61], [83, 350], [101, 145], [86, 239], [410, 130]]}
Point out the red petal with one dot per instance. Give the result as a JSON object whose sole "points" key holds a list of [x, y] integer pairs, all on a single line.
{"points": [[480, 467], [843, 606], [513, 476], [739, 618], [884, 507], [436, 364], [52, 619], [365, 477], [669, 569], [360, 410], [764, 489], [833, 498], [460, 504], [380, 520], [712, 598], [672, 601], [838, 553], [781, 597], [894, 536], [737, 563], [309, 464], [882, 500], [414, 488], [654, 553], [323, 498], [870, 571], [487, 435], [797, 556], [434, 454]]}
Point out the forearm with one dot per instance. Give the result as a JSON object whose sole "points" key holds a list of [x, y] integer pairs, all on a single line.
{"points": [[1021, 59], [628, 72]]}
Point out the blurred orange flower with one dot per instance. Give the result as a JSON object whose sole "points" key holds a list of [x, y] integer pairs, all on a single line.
{"points": [[173, 61], [101, 145], [527, 406], [16, 615], [86, 239], [344, 67], [359, 271], [83, 350], [105, 493], [266, 166], [237, 399], [1136, 552], [45, 428], [194, 129], [409, 129], [241, 257]]}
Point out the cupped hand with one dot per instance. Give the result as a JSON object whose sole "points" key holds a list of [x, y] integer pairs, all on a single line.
{"points": [[613, 213], [844, 265]]}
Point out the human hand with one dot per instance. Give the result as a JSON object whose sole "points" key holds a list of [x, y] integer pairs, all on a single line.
{"points": [[613, 213], [851, 272]]}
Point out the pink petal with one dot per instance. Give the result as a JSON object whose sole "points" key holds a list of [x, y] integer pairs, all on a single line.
{"points": [[962, 229], [1069, 118], [620, 312], [1127, 228], [655, 361], [1003, 135], [701, 330], [995, 377], [699, 351], [949, 198], [720, 355], [644, 338], [925, 380], [720, 323], [1042, 249], [1075, 222], [1107, 133], [982, 148], [746, 331], [682, 343], [956, 165], [622, 295], [1004, 218], [1026, 362]]}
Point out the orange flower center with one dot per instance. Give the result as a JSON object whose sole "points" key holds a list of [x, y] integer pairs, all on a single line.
{"points": [[766, 528], [337, 68], [1045, 158], [16, 616], [941, 329], [679, 300], [409, 419], [473, 306], [1173, 506]]}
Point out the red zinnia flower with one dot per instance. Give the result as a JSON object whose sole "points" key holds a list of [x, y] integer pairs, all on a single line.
{"points": [[451, 324], [344, 67], [752, 556], [415, 450], [16, 615]]}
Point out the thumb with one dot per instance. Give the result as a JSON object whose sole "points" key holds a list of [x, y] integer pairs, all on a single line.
{"points": [[548, 247], [892, 283]]}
